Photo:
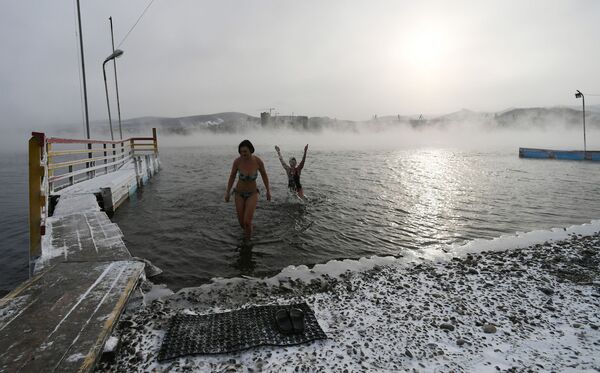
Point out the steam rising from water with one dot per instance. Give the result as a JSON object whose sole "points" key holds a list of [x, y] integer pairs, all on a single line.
{"points": [[460, 136], [539, 128]]}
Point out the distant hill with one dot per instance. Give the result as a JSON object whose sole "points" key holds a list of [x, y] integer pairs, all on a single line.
{"points": [[221, 122], [546, 117], [232, 122]]}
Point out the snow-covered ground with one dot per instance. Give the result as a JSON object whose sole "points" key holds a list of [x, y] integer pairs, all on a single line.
{"points": [[527, 303]]}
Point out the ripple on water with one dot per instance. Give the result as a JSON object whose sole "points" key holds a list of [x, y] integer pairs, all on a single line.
{"points": [[359, 203]]}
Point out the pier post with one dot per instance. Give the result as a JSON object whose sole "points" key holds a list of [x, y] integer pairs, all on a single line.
{"points": [[155, 141], [50, 171], [105, 158], [137, 172], [37, 198], [107, 200], [148, 167], [114, 157]]}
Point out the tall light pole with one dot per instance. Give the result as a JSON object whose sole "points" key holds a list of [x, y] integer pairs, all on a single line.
{"points": [[87, 119], [114, 55], [578, 95], [112, 39]]}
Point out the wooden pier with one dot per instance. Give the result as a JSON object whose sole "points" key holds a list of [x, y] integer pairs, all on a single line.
{"points": [[82, 272]]}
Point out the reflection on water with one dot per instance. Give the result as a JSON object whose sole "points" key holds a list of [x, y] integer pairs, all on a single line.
{"points": [[358, 204], [245, 263]]}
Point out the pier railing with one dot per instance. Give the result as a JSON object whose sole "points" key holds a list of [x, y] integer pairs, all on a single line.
{"points": [[58, 163]]}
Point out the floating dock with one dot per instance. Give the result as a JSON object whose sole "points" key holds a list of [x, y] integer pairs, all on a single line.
{"points": [[573, 155], [82, 274]]}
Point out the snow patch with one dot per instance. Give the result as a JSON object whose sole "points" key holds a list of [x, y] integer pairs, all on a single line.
{"points": [[76, 203], [75, 357], [111, 344], [156, 292]]}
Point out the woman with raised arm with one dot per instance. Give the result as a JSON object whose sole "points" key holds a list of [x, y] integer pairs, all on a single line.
{"points": [[293, 171], [246, 167]]}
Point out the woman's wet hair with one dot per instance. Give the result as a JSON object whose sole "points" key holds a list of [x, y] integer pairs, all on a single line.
{"points": [[293, 159], [247, 144]]}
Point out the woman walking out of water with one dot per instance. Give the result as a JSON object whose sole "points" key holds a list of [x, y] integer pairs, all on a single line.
{"points": [[246, 167], [293, 172]]}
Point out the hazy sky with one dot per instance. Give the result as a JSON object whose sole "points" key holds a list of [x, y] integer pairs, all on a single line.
{"points": [[344, 59]]}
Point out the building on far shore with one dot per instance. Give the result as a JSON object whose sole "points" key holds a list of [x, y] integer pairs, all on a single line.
{"points": [[297, 122]]}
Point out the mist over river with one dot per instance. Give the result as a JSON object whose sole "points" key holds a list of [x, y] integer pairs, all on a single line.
{"points": [[359, 203]]}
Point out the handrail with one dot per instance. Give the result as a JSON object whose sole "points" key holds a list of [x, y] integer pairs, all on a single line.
{"points": [[54, 153], [53, 179], [59, 140], [54, 166], [115, 154], [47, 171]]}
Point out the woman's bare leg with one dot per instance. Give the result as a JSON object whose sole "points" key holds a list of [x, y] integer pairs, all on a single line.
{"points": [[240, 208], [249, 209], [301, 193]]}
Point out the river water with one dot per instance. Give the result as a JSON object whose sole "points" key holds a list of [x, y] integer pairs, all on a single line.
{"points": [[14, 226], [359, 203]]}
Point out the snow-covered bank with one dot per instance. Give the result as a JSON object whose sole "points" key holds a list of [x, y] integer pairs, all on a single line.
{"points": [[532, 308]]}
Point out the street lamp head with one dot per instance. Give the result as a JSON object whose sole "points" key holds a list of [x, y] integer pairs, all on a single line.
{"points": [[578, 94], [115, 54]]}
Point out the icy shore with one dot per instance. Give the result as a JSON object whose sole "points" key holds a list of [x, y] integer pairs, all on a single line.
{"points": [[534, 308]]}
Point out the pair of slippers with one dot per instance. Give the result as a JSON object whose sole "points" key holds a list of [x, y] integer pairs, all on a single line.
{"points": [[290, 322]]}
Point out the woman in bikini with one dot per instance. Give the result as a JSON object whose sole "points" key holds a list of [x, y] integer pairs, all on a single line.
{"points": [[293, 172], [246, 167]]}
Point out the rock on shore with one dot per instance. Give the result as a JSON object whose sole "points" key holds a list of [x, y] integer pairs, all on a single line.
{"points": [[526, 309]]}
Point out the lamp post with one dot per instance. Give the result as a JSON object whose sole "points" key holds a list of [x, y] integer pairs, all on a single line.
{"points": [[114, 55], [580, 95], [112, 38]]}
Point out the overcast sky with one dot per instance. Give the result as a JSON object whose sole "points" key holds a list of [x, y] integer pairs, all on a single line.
{"points": [[343, 59]]}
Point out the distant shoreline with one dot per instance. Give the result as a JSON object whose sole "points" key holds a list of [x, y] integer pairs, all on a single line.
{"points": [[234, 122]]}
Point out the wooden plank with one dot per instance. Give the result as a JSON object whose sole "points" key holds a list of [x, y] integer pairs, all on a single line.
{"points": [[87, 236], [63, 317], [69, 204]]}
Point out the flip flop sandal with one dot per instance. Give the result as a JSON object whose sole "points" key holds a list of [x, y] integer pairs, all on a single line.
{"points": [[297, 318], [284, 323]]}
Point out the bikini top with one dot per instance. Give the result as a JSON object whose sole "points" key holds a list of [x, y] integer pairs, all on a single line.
{"points": [[247, 177]]}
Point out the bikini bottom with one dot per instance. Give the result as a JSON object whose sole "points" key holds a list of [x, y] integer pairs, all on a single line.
{"points": [[245, 195]]}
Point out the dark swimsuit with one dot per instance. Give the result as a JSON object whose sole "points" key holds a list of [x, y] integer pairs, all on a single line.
{"points": [[242, 177], [294, 180]]}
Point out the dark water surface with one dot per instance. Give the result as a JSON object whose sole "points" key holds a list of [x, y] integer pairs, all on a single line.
{"points": [[359, 203], [14, 228]]}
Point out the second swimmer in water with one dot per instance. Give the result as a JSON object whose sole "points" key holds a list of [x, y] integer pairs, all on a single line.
{"points": [[293, 171], [246, 167]]}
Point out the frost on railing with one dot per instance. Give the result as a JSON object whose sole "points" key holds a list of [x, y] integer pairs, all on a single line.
{"points": [[57, 163]]}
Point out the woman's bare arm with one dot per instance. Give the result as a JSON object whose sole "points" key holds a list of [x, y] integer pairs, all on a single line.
{"points": [[231, 179], [264, 176], [285, 166], [301, 165]]}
